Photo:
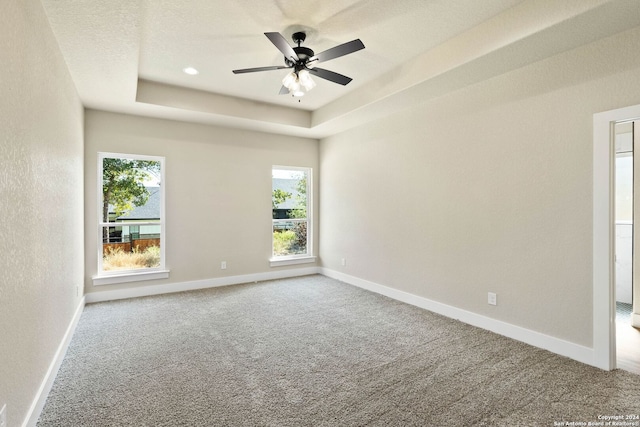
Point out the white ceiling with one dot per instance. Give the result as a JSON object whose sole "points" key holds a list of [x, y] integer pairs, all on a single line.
{"points": [[128, 56]]}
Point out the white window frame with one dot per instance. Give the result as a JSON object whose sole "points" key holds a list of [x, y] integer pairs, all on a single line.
{"points": [[276, 261], [133, 275]]}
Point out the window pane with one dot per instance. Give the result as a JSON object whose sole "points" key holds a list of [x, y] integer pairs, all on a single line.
{"points": [[130, 189], [289, 194], [289, 238], [126, 250]]}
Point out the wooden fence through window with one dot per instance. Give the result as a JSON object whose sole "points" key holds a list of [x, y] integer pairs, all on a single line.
{"points": [[139, 244]]}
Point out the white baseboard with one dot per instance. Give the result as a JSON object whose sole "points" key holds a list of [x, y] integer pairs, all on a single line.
{"points": [[47, 382], [537, 339], [142, 291]]}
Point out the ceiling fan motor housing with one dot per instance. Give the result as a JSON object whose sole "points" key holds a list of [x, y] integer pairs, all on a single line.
{"points": [[304, 53]]}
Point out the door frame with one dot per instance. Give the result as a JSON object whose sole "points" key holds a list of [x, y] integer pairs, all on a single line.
{"points": [[604, 311]]}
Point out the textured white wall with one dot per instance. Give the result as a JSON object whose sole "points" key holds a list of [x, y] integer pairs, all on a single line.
{"points": [[484, 189], [218, 190], [41, 202]]}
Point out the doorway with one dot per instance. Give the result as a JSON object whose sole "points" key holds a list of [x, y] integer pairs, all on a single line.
{"points": [[627, 337], [604, 234]]}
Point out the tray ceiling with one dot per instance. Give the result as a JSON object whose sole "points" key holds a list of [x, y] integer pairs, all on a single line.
{"points": [[128, 56]]}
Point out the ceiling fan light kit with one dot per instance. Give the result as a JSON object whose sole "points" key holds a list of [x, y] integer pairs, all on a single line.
{"points": [[302, 60], [295, 82]]}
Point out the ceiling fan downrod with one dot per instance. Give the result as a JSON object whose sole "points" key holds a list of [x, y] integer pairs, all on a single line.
{"points": [[299, 37]]}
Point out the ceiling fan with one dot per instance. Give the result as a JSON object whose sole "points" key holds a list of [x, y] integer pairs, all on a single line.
{"points": [[302, 60]]}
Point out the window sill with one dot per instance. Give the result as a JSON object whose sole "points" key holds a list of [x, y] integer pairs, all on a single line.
{"points": [[112, 279], [280, 261]]}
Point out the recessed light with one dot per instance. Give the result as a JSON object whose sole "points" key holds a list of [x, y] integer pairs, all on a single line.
{"points": [[190, 70]]}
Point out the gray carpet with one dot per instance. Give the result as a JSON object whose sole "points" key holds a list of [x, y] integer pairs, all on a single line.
{"points": [[313, 352]]}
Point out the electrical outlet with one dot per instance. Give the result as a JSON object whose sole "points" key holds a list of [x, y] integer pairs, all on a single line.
{"points": [[344, 262], [3, 416], [493, 299], [223, 265]]}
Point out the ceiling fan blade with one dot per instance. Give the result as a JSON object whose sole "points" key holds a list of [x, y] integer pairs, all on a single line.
{"points": [[253, 70], [331, 76], [283, 46], [283, 91], [338, 51]]}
